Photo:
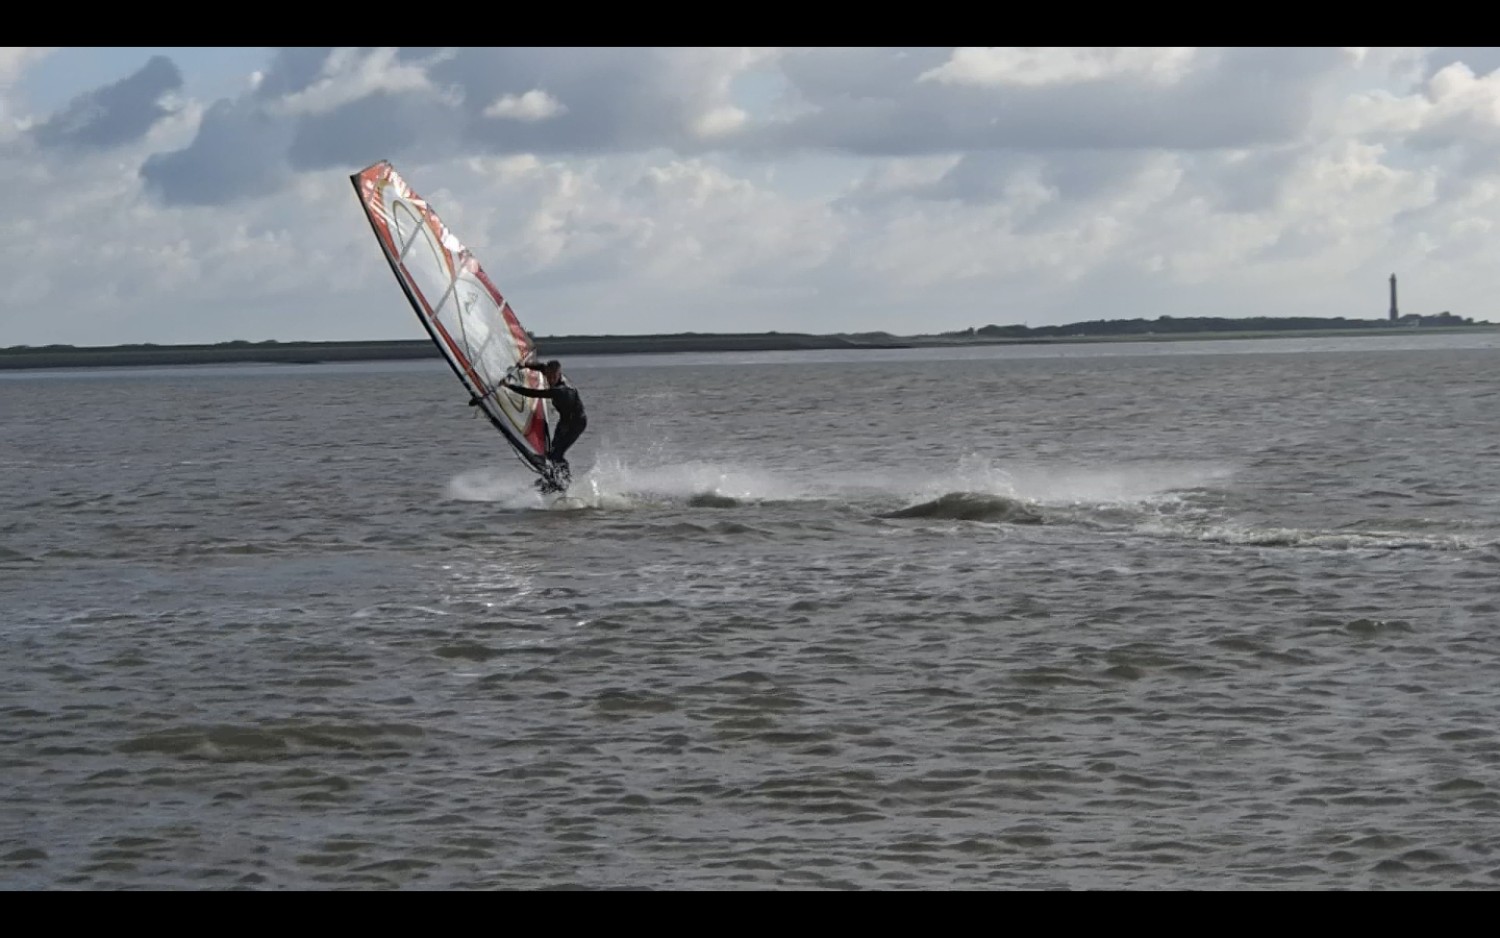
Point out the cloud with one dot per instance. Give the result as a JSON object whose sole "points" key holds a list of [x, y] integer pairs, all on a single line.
{"points": [[599, 100], [1070, 176], [1479, 60], [14, 60], [239, 153], [408, 125], [115, 114], [1052, 66], [1463, 111], [906, 102], [317, 109], [291, 71], [344, 77], [534, 105], [1449, 119], [641, 190]]}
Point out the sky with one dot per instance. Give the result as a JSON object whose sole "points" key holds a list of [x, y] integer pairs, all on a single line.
{"points": [[186, 195]]}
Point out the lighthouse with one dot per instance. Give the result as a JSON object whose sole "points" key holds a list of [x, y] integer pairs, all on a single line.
{"points": [[1394, 314]]}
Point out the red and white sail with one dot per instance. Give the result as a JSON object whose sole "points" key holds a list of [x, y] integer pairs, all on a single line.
{"points": [[468, 319]]}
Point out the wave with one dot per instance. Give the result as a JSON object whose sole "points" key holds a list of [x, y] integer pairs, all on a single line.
{"points": [[971, 506], [1324, 540], [712, 500]]}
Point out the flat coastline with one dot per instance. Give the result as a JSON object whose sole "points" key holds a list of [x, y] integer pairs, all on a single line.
{"points": [[62, 356]]}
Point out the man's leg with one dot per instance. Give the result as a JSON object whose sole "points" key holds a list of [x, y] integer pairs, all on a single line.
{"points": [[559, 474], [567, 434]]}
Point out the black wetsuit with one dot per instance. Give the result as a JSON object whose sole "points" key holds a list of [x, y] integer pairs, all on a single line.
{"points": [[571, 420]]}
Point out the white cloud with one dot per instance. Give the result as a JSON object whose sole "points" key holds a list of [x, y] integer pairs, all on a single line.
{"points": [[349, 75], [14, 60], [720, 121], [534, 105], [1456, 93], [1046, 66]]}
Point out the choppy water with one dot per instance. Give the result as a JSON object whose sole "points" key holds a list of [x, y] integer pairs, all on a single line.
{"points": [[1189, 615]]}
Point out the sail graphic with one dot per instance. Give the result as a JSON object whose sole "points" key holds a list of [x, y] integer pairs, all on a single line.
{"points": [[466, 316]]}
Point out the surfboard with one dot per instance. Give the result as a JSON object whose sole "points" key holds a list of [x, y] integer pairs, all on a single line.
{"points": [[464, 314]]}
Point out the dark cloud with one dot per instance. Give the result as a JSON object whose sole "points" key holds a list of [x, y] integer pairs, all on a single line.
{"points": [[239, 152], [1081, 180], [1293, 242], [1072, 175], [981, 177], [856, 101], [1481, 60], [291, 71], [114, 114], [1252, 183], [614, 98], [611, 99], [1085, 175], [383, 125], [412, 55], [874, 105], [1078, 180], [825, 76]]}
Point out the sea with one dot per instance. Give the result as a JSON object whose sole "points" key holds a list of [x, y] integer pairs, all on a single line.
{"points": [[1179, 615]]}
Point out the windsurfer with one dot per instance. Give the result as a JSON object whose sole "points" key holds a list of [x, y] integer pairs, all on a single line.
{"points": [[571, 420]]}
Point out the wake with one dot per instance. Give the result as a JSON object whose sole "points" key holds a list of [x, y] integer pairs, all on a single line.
{"points": [[970, 506], [1183, 501], [975, 490]]}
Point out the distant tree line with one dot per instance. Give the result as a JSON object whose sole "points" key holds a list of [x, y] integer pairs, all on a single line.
{"points": [[368, 349], [1172, 324]]}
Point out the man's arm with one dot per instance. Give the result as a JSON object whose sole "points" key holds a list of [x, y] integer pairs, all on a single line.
{"points": [[530, 392]]}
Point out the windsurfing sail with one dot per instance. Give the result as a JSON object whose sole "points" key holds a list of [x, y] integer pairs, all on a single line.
{"points": [[468, 319]]}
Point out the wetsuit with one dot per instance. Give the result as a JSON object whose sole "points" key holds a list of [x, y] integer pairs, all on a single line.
{"points": [[571, 420]]}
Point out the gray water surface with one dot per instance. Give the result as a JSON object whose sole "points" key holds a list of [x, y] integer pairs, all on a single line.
{"points": [[1189, 615]]}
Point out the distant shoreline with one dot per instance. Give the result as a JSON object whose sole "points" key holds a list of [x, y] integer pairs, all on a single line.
{"points": [[272, 352]]}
